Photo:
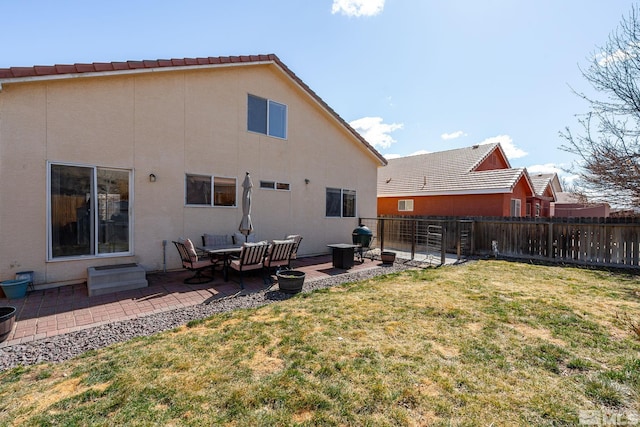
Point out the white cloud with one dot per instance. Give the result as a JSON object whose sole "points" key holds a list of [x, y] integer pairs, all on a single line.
{"points": [[546, 168], [375, 132], [508, 146], [395, 156], [620, 55], [452, 135], [357, 7], [417, 153], [565, 177]]}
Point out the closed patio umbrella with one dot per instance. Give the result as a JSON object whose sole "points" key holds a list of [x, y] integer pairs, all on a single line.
{"points": [[246, 227]]}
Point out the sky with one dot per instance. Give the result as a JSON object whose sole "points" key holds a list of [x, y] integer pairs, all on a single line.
{"points": [[412, 76]]}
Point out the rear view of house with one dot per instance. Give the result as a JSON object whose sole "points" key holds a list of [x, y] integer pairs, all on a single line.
{"points": [[471, 181], [104, 163]]}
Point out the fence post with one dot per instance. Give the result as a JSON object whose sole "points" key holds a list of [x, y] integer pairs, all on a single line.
{"points": [[550, 253], [443, 245], [413, 239], [381, 234]]}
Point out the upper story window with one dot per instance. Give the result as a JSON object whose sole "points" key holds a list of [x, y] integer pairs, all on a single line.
{"points": [[267, 117], [207, 190], [340, 203], [405, 205]]}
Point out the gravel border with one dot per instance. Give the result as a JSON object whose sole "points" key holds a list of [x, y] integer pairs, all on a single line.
{"points": [[66, 346]]}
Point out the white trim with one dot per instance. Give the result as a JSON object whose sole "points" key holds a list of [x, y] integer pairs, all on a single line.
{"points": [[213, 185], [95, 220]]}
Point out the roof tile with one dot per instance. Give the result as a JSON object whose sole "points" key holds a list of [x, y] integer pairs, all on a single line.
{"points": [[445, 172]]}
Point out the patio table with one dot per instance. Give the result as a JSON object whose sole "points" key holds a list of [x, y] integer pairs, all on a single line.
{"points": [[225, 251], [342, 255]]}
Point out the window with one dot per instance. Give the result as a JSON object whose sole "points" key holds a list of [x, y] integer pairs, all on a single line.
{"points": [[267, 117], [538, 209], [206, 190], [405, 205], [340, 203], [272, 185], [88, 210], [515, 207]]}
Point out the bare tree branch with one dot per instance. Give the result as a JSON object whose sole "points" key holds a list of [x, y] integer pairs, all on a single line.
{"points": [[608, 146]]}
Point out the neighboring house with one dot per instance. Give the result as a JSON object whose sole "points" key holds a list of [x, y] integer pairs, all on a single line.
{"points": [[471, 181], [546, 186], [570, 205], [107, 163]]}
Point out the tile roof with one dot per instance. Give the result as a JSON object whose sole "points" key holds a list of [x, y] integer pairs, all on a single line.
{"points": [[446, 173], [19, 74], [541, 181]]}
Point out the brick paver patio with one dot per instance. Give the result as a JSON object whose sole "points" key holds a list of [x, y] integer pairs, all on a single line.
{"points": [[45, 313]]}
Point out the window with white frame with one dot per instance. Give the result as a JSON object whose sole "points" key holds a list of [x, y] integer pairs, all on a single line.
{"points": [[405, 205], [207, 190], [538, 209], [340, 203], [267, 117], [88, 211], [273, 185], [516, 207]]}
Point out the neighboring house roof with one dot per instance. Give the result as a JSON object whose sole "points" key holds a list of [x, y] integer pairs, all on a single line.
{"points": [[449, 172], [542, 181], [53, 72]]}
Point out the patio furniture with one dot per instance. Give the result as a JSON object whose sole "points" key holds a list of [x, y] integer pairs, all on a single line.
{"points": [[219, 241], [279, 254], [222, 253], [251, 257], [342, 255], [192, 262], [297, 238]]}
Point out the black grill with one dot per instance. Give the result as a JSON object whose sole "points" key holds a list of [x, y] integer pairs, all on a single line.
{"points": [[362, 236]]}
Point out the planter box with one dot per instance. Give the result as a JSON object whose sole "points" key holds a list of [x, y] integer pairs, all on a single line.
{"points": [[290, 281], [7, 320]]}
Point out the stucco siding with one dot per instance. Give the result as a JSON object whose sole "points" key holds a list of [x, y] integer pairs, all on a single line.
{"points": [[171, 124]]}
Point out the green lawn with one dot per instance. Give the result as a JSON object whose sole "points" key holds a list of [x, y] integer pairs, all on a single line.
{"points": [[484, 343]]}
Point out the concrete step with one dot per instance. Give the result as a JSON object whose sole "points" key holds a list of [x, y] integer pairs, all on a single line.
{"points": [[116, 278]]}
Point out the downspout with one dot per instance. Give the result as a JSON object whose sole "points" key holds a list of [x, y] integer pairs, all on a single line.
{"points": [[164, 256]]}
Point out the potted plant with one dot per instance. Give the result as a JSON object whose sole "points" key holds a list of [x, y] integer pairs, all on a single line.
{"points": [[290, 281], [7, 320]]}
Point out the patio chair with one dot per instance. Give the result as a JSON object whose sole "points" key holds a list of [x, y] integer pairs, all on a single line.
{"points": [[192, 261], [216, 240], [297, 239], [251, 258], [279, 255]]}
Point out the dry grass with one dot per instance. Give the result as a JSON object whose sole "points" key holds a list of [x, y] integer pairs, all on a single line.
{"points": [[487, 343]]}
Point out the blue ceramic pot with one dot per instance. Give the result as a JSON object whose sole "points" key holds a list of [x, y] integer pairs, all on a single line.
{"points": [[14, 289]]}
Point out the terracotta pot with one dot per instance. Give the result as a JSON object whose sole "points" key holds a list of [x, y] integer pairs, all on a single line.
{"points": [[388, 257]]}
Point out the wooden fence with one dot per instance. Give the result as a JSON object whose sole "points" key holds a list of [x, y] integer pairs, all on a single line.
{"points": [[609, 242]]}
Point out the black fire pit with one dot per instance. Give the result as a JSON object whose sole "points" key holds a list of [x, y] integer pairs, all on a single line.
{"points": [[7, 320]]}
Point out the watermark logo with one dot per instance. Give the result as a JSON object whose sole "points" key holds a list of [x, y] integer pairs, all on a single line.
{"points": [[609, 418]]}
